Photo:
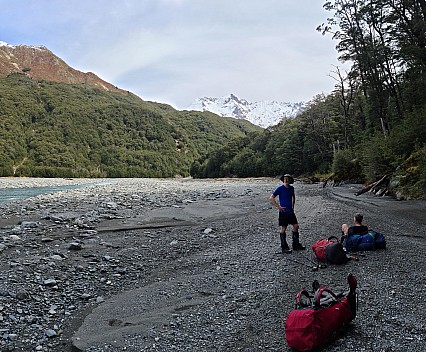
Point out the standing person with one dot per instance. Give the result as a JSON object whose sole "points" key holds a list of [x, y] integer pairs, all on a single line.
{"points": [[286, 214], [357, 229]]}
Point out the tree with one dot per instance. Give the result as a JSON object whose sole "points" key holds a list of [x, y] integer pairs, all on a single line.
{"points": [[364, 39]]}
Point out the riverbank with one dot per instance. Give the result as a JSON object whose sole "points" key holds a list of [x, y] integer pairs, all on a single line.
{"points": [[32, 182], [184, 265]]}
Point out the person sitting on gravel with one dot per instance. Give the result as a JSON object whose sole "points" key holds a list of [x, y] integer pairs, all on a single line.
{"points": [[286, 214], [357, 229]]}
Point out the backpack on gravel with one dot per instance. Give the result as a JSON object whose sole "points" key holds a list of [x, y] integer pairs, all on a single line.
{"points": [[317, 320], [330, 250], [365, 242]]}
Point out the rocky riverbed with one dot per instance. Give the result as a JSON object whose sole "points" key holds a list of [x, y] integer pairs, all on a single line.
{"points": [[192, 265]]}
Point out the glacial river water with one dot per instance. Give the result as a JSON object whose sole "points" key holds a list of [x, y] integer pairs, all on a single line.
{"points": [[11, 194]]}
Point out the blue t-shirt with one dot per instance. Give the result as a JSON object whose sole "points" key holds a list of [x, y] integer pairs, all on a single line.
{"points": [[285, 197]]}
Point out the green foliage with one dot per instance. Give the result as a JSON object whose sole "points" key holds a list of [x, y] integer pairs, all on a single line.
{"points": [[6, 170], [409, 134], [246, 163], [284, 148], [376, 160], [237, 158], [346, 166], [412, 175], [58, 130]]}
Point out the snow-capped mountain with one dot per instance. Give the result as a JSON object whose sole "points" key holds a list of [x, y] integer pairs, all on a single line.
{"points": [[261, 113]]}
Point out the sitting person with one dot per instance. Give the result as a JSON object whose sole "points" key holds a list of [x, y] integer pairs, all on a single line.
{"points": [[357, 229]]}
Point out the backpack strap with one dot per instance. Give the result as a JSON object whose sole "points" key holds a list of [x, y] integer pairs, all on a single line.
{"points": [[329, 297], [333, 238], [303, 299]]}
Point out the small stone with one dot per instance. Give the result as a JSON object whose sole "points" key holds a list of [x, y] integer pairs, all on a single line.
{"points": [[50, 333], [86, 296], [88, 233], [21, 295], [56, 257], [47, 239], [29, 224], [75, 246], [49, 282]]}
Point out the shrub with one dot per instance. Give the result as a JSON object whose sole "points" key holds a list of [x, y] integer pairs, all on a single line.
{"points": [[345, 166], [413, 175]]}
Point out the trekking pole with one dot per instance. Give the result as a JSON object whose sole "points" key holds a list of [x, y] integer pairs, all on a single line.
{"points": [[320, 265], [314, 268], [352, 257]]}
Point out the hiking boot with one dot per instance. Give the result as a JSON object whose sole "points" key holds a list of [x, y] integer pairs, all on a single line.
{"points": [[298, 246], [285, 249]]}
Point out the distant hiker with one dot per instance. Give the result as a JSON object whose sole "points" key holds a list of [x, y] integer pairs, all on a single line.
{"points": [[357, 228], [286, 214]]}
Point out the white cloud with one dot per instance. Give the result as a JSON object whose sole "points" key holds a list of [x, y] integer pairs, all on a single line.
{"points": [[177, 50]]}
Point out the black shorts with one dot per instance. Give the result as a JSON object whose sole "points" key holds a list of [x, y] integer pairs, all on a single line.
{"points": [[285, 219]]}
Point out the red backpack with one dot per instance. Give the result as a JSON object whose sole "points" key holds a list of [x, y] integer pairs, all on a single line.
{"points": [[330, 250], [317, 322]]}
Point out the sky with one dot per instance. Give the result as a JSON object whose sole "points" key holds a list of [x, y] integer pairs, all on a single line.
{"points": [[175, 51]]}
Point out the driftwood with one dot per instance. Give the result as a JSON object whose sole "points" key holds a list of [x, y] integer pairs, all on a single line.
{"points": [[326, 180], [309, 179], [373, 185]]}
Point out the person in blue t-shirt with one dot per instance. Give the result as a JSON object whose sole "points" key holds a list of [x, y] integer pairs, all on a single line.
{"points": [[286, 214]]}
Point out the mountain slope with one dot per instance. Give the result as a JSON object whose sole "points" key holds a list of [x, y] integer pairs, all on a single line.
{"points": [[56, 121], [263, 113], [40, 63], [75, 130]]}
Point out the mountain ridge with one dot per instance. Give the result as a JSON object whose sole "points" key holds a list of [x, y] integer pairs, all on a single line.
{"points": [[40, 63], [261, 113]]}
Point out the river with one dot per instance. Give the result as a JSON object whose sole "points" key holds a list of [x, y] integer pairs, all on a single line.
{"points": [[11, 194]]}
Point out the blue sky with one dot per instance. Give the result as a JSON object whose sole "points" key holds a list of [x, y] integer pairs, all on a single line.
{"points": [[174, 51]]}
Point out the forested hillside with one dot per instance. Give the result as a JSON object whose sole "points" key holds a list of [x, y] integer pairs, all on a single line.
{"points": [[372, 125], [52, 129]]}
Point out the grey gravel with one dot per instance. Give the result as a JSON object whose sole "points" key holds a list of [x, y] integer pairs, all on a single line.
{"points": [[192, 265]]}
